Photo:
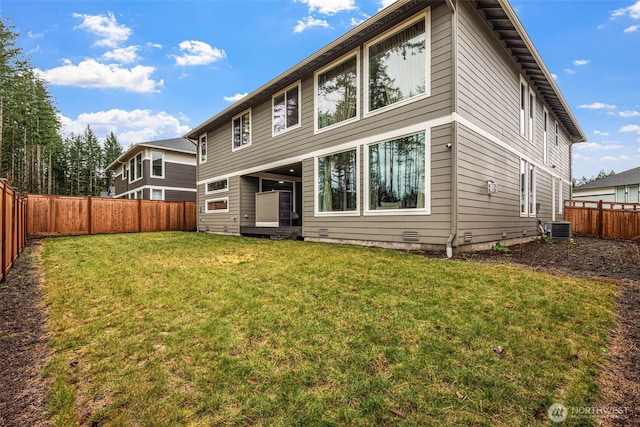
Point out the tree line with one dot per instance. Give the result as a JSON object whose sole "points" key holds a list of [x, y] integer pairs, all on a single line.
{"points": [[34, 157]]}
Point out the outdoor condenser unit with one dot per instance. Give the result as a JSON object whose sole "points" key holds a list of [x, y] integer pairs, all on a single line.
{"points": [[558, 230]]}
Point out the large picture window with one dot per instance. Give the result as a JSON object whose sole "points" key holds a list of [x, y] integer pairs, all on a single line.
{"points": [[286, 109], [337, 182], [242, 130], [337, 93], [397, 66], [397, 174]]}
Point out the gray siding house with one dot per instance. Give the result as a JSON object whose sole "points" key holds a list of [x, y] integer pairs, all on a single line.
{"points": [[157, 170], [623, 187], [432, 125]]}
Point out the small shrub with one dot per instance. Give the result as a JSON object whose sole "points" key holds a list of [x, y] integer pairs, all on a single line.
{"points": [[499, 247]]}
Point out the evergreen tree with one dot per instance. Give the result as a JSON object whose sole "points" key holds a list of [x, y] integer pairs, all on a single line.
{"points": [[112, 150]]}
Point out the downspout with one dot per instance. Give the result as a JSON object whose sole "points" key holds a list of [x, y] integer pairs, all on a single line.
{"points": [[454, 128]]}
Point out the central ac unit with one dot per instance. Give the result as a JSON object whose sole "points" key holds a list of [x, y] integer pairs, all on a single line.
{"points": [[558, 230]]}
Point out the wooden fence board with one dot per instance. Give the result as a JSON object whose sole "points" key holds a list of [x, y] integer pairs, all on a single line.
{"points": [[94, 215], [13, 223], [603, 219]]}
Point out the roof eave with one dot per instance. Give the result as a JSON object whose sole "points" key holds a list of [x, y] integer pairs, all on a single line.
{"points": [[511, 14]]}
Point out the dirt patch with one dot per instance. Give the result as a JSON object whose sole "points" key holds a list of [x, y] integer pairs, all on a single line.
{"points": [[610, 260], [23, 343]]}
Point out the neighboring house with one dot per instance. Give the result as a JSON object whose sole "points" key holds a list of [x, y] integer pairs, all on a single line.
{"points": [[157, 170], [431, 125], [623, 187]]}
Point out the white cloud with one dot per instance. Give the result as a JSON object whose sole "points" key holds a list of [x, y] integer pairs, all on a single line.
{"points": [[631, 29], [329, 7], [236, 97], [620, 158], [569, 71], [579, 62], [597, 132], [33, 35], [629, 113], [123, 55], [632, 11], [131, 127], [594, 146], [630, 128], [106, 27], [91, 74], [309, 22], [355, 22], [555, 76], [597, 106], [198, 53]]}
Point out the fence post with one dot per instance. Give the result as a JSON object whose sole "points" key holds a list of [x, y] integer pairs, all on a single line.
{"points": [[3, 228], [139, 215], [89, 215], [600, 219]]}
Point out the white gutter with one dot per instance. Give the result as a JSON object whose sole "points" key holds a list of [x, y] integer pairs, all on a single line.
{"points": [[454, 130]]}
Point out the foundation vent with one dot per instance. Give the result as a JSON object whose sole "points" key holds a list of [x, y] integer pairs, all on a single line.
{"points": [[410, 235], [468, 237], [323, 232], [225, 228]]}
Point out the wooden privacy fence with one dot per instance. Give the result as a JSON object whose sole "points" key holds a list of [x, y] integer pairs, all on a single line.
{"points": [[603, 219], [94, 215], [13, 227]]}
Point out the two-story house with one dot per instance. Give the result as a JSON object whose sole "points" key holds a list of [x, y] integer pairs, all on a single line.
{"points": [[431, 125], [157, 170]]}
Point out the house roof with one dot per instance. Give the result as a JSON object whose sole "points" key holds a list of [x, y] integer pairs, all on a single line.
{"points": [[629, 177], [180, 145], [499, 15]]}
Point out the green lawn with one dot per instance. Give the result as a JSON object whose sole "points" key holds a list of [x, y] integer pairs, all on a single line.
{"points": [[170, 329]]}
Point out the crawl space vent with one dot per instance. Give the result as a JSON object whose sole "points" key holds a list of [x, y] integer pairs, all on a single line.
{"points": [[410, 236]]}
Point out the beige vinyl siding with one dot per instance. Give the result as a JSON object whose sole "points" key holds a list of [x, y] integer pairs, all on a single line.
{"points": [[489, 93], [432, 229], [249, 186], [217, 221]]}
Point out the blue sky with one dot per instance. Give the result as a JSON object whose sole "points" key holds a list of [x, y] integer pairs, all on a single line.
{"points": [[154, 69]]}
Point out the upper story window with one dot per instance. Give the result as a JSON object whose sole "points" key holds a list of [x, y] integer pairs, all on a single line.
{"points": [[557, 134], [135, 168], [545, 134], [203, 148], [157, 164], [337, 90], [397, 65], [242, 130], [125, 168], [286, 109], [532, 116], [524, 98]]}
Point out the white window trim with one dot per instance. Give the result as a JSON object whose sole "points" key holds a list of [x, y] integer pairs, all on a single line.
{"points": [[284, 91], [316, 188], [151, 165], [215, 211], [233, 147], [527, 185], [557, 132], [522, 107], [545, 135], [427, 178], [426, 16], [206, 184], [125, 171], [531, 117], [316, 130], [201, 158], [156, 189], [133, 172]]}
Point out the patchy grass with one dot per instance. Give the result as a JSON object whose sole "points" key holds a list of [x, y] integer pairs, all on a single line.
{"points": [[193, 329]]}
